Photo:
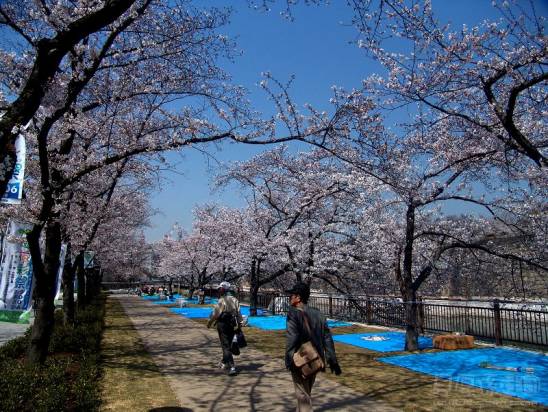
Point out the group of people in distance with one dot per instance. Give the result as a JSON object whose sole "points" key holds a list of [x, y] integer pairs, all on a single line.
{"points": [[304, 324], [150, 290]]}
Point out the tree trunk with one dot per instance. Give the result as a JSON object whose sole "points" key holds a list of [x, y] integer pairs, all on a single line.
{"points": [[310, 260], [253, 288], [406, 283], [93, 283], [411, 320], [80, 275], [454, 282], [45, 273], [68, 289]]}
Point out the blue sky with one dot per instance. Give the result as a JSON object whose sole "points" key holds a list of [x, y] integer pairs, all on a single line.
{"points": [[317, 47]]}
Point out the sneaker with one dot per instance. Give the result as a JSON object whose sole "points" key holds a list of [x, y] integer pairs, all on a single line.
{"points": [[223, 366], [232, 371]]}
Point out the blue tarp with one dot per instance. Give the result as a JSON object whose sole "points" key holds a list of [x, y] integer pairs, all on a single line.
{"points": [[244, 310], [164, 302], [153, 297], [207, 299], [193, 313], [475, 367], [381, 341], [205, 312], [277, 322], [156, 299], [337, 323]]}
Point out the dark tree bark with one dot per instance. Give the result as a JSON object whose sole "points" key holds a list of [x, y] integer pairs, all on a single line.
{"points": [[411, 320], [93, 283], [256, 282], [254, 287], [408, 288], [81, 296], [68, 289], [45, 273]]}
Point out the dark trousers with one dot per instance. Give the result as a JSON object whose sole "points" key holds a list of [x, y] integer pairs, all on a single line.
{"points": [[226, 334]]}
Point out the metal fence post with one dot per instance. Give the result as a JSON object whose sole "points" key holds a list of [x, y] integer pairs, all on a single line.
{"points": [[330, 306], [274, 303], [498, 325]]}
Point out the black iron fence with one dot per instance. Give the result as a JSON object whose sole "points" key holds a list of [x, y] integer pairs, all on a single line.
{"points": [[487, 321]]}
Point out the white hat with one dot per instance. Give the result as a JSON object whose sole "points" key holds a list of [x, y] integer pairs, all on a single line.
{"points": [[225, 285]]}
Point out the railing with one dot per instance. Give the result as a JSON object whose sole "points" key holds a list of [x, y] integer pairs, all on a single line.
{"points": [[264, 300], [484, 322]]}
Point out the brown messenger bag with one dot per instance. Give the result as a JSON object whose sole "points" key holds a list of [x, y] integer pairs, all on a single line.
{"points": [[306, 358]]}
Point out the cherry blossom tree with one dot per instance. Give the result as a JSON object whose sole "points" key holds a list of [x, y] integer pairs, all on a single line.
{"points": [[209, 253], [489, 80], [418, 172], [476, 102], [49, 30], [113, 193], [120, 94], [297, 207]]}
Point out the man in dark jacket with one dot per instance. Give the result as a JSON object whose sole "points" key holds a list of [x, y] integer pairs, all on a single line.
{"points": [[298, 333]]}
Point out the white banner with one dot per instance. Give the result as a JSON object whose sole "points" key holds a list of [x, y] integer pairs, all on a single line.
{"points": [[62, 256], [14, 191], [16, 269]]}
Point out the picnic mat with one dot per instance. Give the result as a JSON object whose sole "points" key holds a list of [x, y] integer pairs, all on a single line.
{"points": [[381, 341], [513, 372]]}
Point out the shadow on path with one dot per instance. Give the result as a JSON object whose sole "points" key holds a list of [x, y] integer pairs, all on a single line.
{"points": [[187, 354]]}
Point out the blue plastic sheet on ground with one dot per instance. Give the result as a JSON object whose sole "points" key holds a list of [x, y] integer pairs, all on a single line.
{"points": [[208, 300], [193, 313], [151, 297], [205, 312], [164, 302], [381, 341], [244, 310], [156, 299], [499, 369], [277, 322], [337, 323]]}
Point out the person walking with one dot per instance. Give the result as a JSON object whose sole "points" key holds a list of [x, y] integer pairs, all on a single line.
{"points": [[228, 318], [307, 324]]}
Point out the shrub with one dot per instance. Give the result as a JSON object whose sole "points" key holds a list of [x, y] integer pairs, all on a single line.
{"points": [[14, 348], [68, 380]]}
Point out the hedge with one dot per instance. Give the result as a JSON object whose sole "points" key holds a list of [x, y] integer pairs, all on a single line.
{"points": [[68, 380]]}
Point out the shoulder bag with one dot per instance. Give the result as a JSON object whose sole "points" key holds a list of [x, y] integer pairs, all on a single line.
{"points": [[306, 358]]}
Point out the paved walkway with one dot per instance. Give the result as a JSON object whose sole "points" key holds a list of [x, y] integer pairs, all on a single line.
{"points": [[10, 331], [187, 353]]}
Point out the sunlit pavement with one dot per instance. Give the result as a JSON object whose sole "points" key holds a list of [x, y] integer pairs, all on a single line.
{"points": [[188, 353]]}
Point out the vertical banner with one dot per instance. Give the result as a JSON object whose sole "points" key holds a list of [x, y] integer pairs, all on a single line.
{"points": [[14, 192], [16, 269], [89, 259], [62, 256]]}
